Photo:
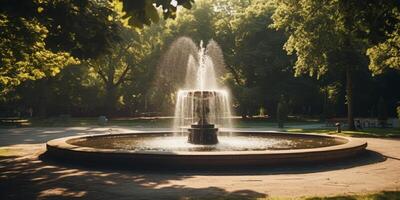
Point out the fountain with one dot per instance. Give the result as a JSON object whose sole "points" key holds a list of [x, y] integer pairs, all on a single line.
{"points": [[202, 132], [203, 135], [202, 104]]}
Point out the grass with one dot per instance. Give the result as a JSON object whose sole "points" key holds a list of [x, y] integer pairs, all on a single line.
{"points": [[368, 132], [385, 195], [92, 121], [5, 152], [165, 122], [265, 124], [157, 122], [260, 122]]}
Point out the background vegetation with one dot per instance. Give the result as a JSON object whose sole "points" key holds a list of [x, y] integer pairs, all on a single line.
{"points": [[330, 58]]}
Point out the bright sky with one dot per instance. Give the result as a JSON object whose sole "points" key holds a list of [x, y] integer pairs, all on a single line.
{"points": [[174, 3]]}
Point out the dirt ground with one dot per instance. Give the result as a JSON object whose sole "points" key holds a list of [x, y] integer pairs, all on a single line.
{"points": [[25, 175]]}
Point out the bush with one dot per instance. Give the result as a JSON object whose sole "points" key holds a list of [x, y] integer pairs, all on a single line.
{"points": [[398, 112]]}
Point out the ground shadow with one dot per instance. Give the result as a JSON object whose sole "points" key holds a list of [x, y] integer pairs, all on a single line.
{"points": [[25, 178], [33, 178], [42, 178]]}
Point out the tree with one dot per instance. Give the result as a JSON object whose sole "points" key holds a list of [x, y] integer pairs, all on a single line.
{"points": [[384, 37], [387, 53], [39, 38], [23, 52], [328, 35], [144, 12], [259, 64], [258, 68], [195, 24], [114, 67], [261, 70], [398, 112]]}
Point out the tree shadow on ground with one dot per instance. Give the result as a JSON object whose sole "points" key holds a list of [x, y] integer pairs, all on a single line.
{"points": [[31, 178]]}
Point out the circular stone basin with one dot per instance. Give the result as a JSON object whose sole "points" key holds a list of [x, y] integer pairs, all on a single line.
{"points": [[168, 149]]}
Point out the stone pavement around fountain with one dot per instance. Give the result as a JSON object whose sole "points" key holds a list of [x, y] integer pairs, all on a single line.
{"points": [[25, 176]]}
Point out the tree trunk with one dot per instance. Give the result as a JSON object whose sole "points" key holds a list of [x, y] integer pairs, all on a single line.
{"points": [[349, 98], [111, 99], [42, 98], [325, 107]]}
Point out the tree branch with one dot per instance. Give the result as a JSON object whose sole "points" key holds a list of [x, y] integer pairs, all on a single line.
{"points": [[99, 71], [122, 77], [126, 70], [235, 74]]}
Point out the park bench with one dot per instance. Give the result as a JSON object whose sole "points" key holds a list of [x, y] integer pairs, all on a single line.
{"points": [[12, 122]]}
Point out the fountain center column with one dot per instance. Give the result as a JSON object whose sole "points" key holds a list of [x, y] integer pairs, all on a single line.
{"points": [[202, 132]]}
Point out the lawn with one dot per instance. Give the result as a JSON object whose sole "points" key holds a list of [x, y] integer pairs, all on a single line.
{"points": [[166, 122], [386, 195], [89, 121], [368, 132], [146, 122]]}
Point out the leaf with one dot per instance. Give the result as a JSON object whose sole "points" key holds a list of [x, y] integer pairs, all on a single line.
{"points": [[187, 5], [151, 12]]}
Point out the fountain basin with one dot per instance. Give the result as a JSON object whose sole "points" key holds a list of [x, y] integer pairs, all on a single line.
{"points": [[96, 150]]}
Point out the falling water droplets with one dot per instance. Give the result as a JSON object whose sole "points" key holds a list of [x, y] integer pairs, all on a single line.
{"points": [[201, 80]]}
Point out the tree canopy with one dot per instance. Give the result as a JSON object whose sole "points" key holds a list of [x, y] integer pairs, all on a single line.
{"points": [[335, 35], [39, 38], [102, 57]]}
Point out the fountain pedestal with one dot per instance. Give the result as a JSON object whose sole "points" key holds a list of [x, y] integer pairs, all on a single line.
{"points": [[203, 134]]}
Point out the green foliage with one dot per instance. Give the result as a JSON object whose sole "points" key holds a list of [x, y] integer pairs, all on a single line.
{"points": [[261, 70], [398, 112], [23, 52], [366, 132], [140, 12], [333, 36], [385, 195], [331, 99], [125, 64], [39, 38], [385, 38], [316, 30], [247, 99], [386, 54], [322, 33], [196, 23]]}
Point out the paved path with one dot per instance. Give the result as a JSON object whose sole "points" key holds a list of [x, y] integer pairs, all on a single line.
{"points": [[24, 176]]}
